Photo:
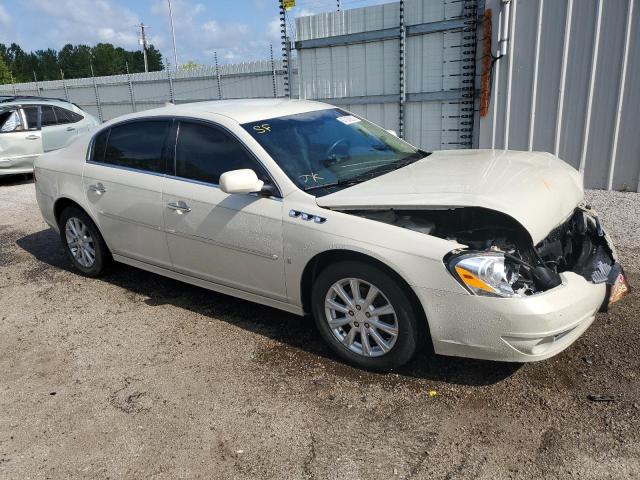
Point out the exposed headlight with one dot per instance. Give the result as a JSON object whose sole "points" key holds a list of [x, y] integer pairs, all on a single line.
{"points": [[485, 274]]}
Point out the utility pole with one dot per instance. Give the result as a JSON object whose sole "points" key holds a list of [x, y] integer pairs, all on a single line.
{"points": [[64, 85], [143, 42], [37, 84], [173, 35], [286, 47]]}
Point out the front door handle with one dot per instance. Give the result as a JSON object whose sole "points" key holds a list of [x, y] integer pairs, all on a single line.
{"points": [[179, 207], [32, 137], [97, 188]]}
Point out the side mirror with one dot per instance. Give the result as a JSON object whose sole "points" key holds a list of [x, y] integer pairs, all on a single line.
{"points": [[392, 132], [240, 181]]}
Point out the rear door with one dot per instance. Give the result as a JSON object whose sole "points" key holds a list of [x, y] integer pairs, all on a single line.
{"points": [[123, 182], [20, 141], [56, 133], [234, 240]]}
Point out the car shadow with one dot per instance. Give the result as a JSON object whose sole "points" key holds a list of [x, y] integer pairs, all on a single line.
{"points": [[298, 335], [18, 179]]}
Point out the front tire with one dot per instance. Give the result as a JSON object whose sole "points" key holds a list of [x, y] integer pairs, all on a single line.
{"points": [[83, 243], [365, 316]]}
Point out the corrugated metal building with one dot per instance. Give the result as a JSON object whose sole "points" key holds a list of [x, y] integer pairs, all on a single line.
{"points": [[569, 85], [407, 66]]}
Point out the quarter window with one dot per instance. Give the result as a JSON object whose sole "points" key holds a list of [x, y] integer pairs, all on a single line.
{"points": [[203, 153], [136, 145], [66, 116]]}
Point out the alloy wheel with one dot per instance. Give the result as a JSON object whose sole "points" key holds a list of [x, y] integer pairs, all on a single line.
{"points": [[80, 242], [361, 317]]}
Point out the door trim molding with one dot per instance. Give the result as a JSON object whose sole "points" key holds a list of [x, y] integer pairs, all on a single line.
{"points": [[252, 297], [270, 256]]}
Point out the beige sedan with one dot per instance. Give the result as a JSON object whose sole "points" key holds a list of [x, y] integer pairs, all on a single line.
{"points": [[305, 207]]}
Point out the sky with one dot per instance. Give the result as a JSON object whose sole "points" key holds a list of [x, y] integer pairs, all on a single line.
{"points": [[238, 31]]}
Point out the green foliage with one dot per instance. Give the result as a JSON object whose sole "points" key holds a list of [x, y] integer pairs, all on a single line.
{"points": [[74, 61], [190, 65], [5, 73]]}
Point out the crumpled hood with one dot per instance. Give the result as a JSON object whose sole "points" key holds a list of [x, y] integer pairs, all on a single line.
{"points": [[537, 189]]}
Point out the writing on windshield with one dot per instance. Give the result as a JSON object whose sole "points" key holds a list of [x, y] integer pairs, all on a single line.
{"points": [[329, 147]]}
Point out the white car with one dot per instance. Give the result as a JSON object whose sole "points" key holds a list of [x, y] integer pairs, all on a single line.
{"points": [[305, 207], [30, 126]]}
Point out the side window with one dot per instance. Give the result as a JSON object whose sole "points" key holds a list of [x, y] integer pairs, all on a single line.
{"points": [[136, 145], [65, 116], [99, 146], [31, 112], [75, 117], [204, 153], [61, 115], [10, 122], [48, 116]]}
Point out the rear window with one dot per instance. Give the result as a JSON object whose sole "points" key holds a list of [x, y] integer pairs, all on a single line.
{"points": [[136, 145]]}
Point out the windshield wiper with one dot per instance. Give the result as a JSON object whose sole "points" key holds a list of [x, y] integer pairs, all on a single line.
{"points": [[341, 183], [420, 154]]}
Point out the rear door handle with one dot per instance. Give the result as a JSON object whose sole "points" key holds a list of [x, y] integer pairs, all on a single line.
{"points": [[32, 137], [71, 129], [179, 207], [98, 188]]}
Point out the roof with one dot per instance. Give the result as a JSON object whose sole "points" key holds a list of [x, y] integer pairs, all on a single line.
{"points": [[243, 110], [30, 100]]}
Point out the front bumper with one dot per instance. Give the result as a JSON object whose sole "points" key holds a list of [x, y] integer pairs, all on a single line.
{"points": [[512, 329]]}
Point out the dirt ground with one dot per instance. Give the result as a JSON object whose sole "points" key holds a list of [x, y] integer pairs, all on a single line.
{"points": [[138, 376]]}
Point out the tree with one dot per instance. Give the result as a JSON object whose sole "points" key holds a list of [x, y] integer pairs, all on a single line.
{"points": [[190, 65], [154, 58], [47, 64], [75, 61], [5, 73]]}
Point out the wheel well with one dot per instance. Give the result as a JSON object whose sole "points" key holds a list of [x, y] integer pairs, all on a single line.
{"points": [[324, 259], [61, 204]]}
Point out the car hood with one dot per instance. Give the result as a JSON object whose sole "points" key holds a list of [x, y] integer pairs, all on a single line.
{"points": [[537, 189]]}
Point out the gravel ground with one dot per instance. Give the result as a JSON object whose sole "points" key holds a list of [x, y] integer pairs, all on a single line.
{"points": [[620, 212], [138, 376]]}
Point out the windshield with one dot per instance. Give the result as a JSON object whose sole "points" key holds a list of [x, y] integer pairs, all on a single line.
{"points": [[330, 149]]}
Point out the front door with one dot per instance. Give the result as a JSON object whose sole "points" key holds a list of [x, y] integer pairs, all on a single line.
{"points": [[20, 143], [234, 240], [123, 184]]}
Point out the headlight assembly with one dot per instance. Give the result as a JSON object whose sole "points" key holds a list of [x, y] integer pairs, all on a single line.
{"points": [[485, 274]]}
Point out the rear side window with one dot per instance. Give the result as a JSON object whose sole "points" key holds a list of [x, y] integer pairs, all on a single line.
{"points": [[203, 153], [48, 116], [136, 145]]}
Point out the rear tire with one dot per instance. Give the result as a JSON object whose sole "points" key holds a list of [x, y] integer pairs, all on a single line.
{"points": [[365, 316], [83, 242]]}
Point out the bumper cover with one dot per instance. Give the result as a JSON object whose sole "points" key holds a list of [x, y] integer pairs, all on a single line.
{"points": [[512, 329], [17, 165]]}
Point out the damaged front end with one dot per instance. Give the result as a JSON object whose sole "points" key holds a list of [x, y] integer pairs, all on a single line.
{"points": [[500, 259]]}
